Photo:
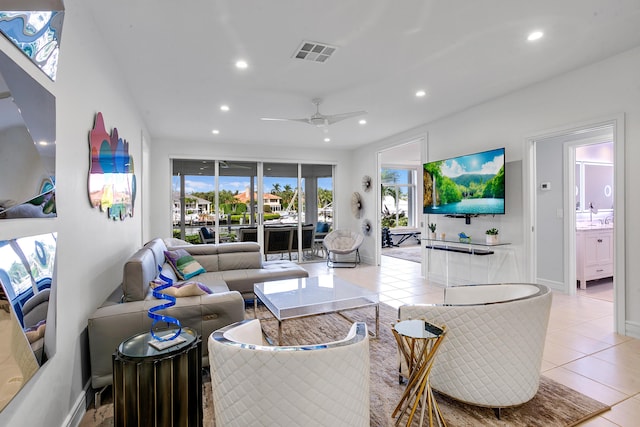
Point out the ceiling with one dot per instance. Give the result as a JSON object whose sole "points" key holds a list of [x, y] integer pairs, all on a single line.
{"points": [[178, 60]]}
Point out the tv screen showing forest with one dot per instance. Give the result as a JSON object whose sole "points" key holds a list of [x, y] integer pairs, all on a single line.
{"points": [[473, 184]]}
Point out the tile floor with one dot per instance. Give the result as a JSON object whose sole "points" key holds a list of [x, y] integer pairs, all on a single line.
{"points": [[581, 350]]}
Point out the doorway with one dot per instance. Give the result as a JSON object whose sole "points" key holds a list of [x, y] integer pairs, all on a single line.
{"points": [[559, 204], [399, 204]]}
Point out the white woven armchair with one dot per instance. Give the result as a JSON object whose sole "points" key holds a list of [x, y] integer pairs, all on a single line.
{"points": [[495, 339], [342, 242], [312, 385]]}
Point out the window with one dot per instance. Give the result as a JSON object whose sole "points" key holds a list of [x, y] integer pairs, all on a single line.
{"points": [[398, 197], [283, 198]]}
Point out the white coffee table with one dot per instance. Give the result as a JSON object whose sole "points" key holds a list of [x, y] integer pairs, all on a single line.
{"points": [[311, 296]]}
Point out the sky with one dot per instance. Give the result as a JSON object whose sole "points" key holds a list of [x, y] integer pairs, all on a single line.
{"points": [[194, 184], [487, 162]]}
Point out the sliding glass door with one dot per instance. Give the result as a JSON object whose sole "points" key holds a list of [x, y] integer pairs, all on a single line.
{"points": [[240, 200]]}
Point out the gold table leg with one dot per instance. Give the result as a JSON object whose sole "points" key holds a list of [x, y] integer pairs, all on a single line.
{"points": [[419, 354]]}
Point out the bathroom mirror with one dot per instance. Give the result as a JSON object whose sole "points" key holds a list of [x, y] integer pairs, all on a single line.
{"points": [[598, 186], [27, 145], [27, 313]]}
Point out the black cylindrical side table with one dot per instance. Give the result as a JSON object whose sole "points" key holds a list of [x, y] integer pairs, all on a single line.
{"points": [[158, 387]]}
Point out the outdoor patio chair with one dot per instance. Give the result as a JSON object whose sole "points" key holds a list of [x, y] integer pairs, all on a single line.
{"points": [[278, 240], [342, 242], [248, 234], [206, 235], [308, 238]]}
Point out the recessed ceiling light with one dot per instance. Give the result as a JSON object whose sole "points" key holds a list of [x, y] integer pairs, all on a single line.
{"points": [[536, 35], [362, 122], [420, 93], [327, 140], [224, 107], [215, 131], [241, 64], [43, 143]]}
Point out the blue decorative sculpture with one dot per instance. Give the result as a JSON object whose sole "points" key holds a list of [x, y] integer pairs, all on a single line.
{"points": [[160, 317]]}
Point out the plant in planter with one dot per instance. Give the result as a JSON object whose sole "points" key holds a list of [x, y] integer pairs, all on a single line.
{"points": [[492, 236], [432, 227]]}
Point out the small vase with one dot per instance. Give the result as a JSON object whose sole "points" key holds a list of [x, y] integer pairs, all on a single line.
{"points": [[433, 235], [492, 239]]}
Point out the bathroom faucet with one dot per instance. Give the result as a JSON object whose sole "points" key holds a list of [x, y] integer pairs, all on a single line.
{"points": [[608, 220], [592, 210]]}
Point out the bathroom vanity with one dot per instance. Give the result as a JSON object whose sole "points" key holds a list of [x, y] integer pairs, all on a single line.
{"points": [[594, 253]]}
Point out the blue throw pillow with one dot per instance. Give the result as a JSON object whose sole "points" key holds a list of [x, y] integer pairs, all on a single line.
{"points": [[322, 227]]}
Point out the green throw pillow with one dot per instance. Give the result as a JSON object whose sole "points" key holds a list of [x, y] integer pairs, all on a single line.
{"points": [[183, 264]]}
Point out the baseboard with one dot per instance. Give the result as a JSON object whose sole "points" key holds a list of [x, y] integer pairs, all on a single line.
{"points": [[78, 409], [632, 329], [556, 286]]}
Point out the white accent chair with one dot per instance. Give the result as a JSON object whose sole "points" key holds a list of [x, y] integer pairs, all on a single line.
{"points": [[311, 385], [342, 242], [495, 338]]}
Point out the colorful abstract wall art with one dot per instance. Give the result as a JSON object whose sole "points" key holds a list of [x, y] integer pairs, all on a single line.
{"points": [[112, 182], [36, 33]]}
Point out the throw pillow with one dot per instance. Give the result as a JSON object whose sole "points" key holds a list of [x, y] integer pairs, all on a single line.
{"points": [[182, 289], [183, 264]]}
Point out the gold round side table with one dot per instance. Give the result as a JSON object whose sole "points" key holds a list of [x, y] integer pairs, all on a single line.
{"points": [[418, 341]]}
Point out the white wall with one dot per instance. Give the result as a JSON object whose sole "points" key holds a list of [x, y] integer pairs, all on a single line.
{"points": [[91, 248], [589, 94], [550, 257]]}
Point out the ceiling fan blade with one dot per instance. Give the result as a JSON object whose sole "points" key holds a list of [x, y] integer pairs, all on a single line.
{"points": [[284, 120], [335, 118]]}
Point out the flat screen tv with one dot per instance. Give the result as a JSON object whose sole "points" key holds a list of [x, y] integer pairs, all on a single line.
{"points": [[467, 185]]}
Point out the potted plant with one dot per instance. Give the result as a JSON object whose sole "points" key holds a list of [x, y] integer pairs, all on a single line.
{"points": [[432, 227], [492, 236]]}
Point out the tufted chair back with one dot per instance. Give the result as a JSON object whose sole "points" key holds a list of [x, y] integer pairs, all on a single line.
{"points": [[310, 385], [495, 339]]}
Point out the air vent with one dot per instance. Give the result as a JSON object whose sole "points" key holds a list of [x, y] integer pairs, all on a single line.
{"points": [[316, 52]]}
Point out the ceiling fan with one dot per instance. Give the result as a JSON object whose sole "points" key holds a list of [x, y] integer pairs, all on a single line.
{"points": [[321, 120]]}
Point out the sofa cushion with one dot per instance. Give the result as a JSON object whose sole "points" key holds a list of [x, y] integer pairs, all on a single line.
{"points": [[139, 270], [181, 289], [184, 264], [158, 247], [243, 280]]}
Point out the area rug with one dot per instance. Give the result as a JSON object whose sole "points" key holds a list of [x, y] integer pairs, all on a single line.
{"points": [[410, 253], [553, 405]]}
